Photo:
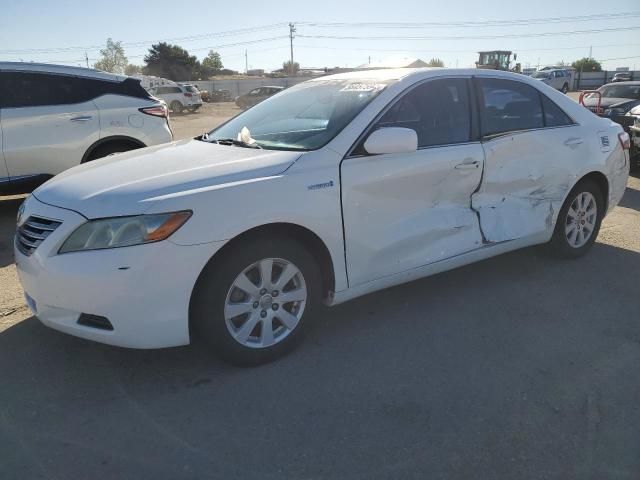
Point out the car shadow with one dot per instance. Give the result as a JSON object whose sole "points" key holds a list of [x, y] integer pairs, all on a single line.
{"points": [[631, 199], [8, 211], [518, 357]]}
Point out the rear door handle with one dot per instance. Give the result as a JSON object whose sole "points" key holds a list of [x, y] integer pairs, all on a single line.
{"points": [[467, 165], [82, 118], [573, 141]]}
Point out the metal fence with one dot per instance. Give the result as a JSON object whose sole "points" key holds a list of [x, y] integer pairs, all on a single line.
{"points": [[242, 86], [581, 81], [593, 80]]}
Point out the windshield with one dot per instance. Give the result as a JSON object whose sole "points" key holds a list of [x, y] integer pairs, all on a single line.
{"points": [[540, 75], [620, 91], [304, 117]]}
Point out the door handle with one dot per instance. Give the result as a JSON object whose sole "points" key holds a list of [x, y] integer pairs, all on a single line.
{"points": [[573, 141], [82, 118], [467, 165]]}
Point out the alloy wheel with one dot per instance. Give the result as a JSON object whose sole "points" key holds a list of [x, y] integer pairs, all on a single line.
{"points": [[581, 219], [265, 303]]}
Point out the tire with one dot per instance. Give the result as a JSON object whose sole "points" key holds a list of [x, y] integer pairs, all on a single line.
{"points": [[565, 88], [176, 107], [243, 339], [193, 109], [109, 149], [568, 242]]}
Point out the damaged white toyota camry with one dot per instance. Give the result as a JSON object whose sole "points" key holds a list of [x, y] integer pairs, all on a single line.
{"points": [[332, 189]]}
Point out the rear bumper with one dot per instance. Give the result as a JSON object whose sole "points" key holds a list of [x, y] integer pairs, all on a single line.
{"points": [[143, 291]]}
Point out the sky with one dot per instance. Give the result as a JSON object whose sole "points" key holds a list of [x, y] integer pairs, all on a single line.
{"points": [[329, 33]]}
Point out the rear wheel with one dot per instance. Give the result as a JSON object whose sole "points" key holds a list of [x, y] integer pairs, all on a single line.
{"points": [[176, 107], [254, 304], [579, 221]]}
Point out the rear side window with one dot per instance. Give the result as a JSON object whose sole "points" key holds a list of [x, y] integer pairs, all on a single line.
{"points": [[553, 114], [508, 106], [437, 110], [40, 89]]}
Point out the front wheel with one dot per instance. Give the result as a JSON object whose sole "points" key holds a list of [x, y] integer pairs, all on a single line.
{"points": [[579, 221], [565, 88], [254, 304]]}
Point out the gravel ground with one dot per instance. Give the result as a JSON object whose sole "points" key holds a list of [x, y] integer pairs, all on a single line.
{"points": [[515, 367]]}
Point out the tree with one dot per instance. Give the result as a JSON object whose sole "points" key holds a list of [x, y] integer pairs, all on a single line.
{"points": [[172, 62], [113, 59], [211, 65], [132, 69], [435, 62], [286, 67], [587, 65]]}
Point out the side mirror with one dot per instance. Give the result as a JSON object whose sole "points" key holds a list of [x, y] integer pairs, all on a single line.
{"points": [[391, 140]]}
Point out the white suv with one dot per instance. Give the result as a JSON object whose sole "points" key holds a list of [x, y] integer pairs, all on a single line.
{"points": [[559, 79], [179, 97], [55, 117]]}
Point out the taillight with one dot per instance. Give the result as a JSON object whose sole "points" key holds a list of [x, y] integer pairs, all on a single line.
{"points": [[625, 140], [156, 111], [187, 94]]}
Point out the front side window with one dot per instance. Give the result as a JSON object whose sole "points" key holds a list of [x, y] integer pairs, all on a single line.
{"points": [[41, 89], [304, 117], [508, 106], [437, 110]]}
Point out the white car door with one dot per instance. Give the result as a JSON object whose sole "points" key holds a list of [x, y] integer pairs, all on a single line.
{"points": [[402, 211], [48, 124], [533, 150]]}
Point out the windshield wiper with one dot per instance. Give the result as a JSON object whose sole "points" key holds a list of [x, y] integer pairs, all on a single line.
{"points": [[233, 141]]}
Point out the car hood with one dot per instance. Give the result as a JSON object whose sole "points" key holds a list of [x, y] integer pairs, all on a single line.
{"points": [[129, 183], [608, 102]]}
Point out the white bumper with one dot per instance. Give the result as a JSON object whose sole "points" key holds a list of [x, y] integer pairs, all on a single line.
{"points": [[143, 291]]}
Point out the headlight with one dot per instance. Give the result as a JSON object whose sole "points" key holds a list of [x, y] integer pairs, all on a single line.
{"points": [[124, 231]]}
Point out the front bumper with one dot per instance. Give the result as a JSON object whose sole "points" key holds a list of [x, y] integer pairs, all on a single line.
{"points": [[144, 291]]}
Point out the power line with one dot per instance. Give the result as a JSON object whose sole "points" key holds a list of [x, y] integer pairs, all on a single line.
{"points": [[142, 43], [470, 37], [480, 23], [420, 50]]}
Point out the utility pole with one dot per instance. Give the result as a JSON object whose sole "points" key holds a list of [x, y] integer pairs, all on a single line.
{"points": [[292, 30], [246, 62], [369, 59], [590, 51], [86, 57]]}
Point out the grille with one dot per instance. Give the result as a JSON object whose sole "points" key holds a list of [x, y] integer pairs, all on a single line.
{"points": [[32, 232]]}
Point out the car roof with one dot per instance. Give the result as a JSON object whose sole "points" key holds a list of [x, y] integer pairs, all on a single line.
{"points": [[61, 70], [416, 74]]}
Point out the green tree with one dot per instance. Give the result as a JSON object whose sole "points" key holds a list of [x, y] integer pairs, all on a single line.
{"points": [[212, 64], [172, 62], [113, 59], [286, 67], [587, 65], [435, 62], [132, 69]]}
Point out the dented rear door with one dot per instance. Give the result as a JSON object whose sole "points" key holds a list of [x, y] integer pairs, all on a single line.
{"points": [[532, 154]]}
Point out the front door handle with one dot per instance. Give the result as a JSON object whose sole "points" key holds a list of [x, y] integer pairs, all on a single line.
{"points": [[573, 141], [82, 118], [467, 165]]}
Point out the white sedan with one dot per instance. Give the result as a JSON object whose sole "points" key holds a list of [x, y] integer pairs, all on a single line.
{"points": [[332, 189]]}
